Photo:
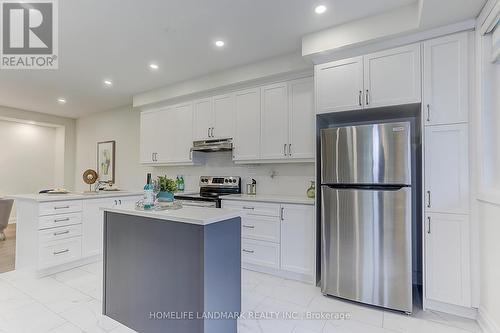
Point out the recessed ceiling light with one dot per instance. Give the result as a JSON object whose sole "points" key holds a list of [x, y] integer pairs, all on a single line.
{"points": [[61, 100], [154, 66], [31, 122], [320, 9], [219, 43], [108, 83]]}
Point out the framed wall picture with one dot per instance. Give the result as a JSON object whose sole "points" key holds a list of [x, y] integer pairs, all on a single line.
{"points": [[106, 161]]}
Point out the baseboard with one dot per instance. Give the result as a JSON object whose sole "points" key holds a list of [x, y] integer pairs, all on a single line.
{"points": [[486, 323], [306, 278], [461, 311], [13, 221], [64, 267]]}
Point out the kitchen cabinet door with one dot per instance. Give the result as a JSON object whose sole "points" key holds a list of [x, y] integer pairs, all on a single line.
{"points": [[447, 249], [339, 85], [149, 130], [274, 122], [446, 176], [223, 116], [302, 118], [298, 239], [202, 118], [392, 77], [180, 137], [247, 125], [446, 80], [92, 225]]}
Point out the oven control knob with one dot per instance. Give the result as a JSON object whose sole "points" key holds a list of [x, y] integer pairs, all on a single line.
{"points": [[234, 180], [225, 180]]}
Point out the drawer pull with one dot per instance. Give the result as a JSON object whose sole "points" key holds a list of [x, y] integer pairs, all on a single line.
{"points": [[61, 207], [61, 233], [248, 226], [60, 252], [248, 251], [251, 208], [61, 220]]}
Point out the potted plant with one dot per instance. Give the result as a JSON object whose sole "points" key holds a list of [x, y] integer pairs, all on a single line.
{"points": [[167, 188]]}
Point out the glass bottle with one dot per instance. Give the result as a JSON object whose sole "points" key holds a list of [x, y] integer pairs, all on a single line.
{"points": [[311, 191]]}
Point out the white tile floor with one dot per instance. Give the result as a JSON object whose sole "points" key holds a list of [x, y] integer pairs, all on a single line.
{"points": [[71, 302]]}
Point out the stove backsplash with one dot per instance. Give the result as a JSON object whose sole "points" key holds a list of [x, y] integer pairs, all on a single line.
{"points": [[285, 179]]}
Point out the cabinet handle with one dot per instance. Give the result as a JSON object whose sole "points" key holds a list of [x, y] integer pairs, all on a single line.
{"points": [[428, 224], [367, 97], [191, 154], [120, 202], [61, 233], [208, 132], [251, 208], [282, 214], [248, 251], [284, 149], [116, 203], [60, 252], [360, 98], [428, 112], [428, 199], [213, 132], [61, 207], [248, 226], [289, 149], [61, 220]]}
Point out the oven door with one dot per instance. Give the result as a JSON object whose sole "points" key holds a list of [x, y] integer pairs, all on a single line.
{"points": [[198, 203]]}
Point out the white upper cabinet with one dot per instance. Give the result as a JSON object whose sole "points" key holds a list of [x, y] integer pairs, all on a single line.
{"points": [[447, 273], [203, 119], [446, 80], [339, 85], [392, 77], [147, 136], [274, 122], [152, 125], [247, 125], [223, 118], [298, 245], [447, 169], [179, 133], [302, 132]]}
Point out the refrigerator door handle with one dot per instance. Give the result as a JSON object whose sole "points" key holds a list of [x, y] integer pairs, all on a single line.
{"points": [[428, 224], [428, 199]]}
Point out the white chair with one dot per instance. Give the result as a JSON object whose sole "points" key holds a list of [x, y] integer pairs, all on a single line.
{"points": [[5, 209]]}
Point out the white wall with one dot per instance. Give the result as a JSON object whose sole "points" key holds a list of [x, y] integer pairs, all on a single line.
{"points": [[487, 173], [122, 125], [285, 179], [65, 140], [27, 160]]}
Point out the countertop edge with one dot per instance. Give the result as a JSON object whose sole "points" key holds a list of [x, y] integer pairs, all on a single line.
{"points": [[271, 199], [71, 196], [159, 216]]}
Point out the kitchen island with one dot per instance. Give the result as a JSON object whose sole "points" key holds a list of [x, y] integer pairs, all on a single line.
{"points": [[172, 271]]}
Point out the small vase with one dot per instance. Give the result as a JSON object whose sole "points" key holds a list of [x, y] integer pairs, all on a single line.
{"points": [[166, 196], [311, 191]]}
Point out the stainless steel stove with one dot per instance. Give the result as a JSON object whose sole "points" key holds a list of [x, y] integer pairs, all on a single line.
{"points": [[211, 189]]}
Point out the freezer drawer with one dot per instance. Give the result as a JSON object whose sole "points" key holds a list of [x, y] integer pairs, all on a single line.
{"points": [[366, 246], [366, 154]]}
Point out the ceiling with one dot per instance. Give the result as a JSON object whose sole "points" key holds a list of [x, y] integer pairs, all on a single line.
{"points": [[117, 39]]}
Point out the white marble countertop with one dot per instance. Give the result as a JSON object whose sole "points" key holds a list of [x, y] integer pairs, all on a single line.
{"points": [[192, 215], [72, 196], [275, 198]]}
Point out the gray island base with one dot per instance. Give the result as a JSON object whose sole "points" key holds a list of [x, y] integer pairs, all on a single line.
{"points": [[169, 276]]}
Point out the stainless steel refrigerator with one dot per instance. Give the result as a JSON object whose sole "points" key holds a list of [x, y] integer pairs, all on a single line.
{"points": [[366, 214]]}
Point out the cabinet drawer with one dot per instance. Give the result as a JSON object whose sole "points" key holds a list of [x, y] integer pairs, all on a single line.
{"points": [[260, 253], [61, 220], [55, 234], [264, 228], [60, 207], [254, 208], [60, 252]]}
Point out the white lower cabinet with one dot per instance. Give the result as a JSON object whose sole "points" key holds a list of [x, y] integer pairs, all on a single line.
{"points": [[297, 239], [277, 238], [447, 259], [65, 233]]}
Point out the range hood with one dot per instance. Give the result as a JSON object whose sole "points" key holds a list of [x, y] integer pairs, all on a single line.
{"points": [[213, 145]]}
